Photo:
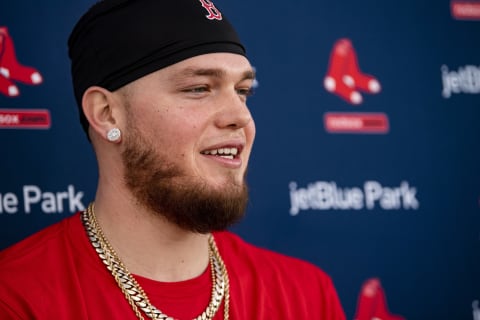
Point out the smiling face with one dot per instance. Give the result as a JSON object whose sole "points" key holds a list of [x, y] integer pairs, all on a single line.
{"points": [[188, 140]]}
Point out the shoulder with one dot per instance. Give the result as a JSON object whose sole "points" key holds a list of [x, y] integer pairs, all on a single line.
{"points": [[34, 247], [238, 252], [34, 261], [35, 266], [276, 285]]}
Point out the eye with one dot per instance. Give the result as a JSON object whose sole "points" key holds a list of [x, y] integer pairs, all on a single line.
{"points": [[199, 89], [246, 92]]}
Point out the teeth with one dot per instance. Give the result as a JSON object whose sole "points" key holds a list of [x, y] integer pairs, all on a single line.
{"points": [[228, 153]]}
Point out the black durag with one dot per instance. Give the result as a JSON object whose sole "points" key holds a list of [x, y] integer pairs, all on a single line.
{"points": [[118, 41]]}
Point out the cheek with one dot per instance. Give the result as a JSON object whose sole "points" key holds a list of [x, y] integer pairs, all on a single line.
{"points": [[178, 138], [173, 130], [250, 137], [250, 131]]}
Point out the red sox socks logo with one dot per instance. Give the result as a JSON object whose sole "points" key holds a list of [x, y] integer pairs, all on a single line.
{"points": [[11, 70], [344, 77], [372, 303], [213, 13]]}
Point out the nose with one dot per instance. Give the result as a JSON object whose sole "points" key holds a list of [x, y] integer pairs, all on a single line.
{"points": [[234, 112]]}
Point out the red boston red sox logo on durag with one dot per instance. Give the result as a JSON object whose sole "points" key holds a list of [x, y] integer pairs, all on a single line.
{"points": [[11, 70], [344, 77], [213, 12]]}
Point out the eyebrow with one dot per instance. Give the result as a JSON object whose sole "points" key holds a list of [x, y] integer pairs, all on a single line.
{"points": [[211, 72]]}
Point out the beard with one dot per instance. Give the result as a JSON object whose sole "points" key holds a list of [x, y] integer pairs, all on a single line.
{"points": [[188, 202]]}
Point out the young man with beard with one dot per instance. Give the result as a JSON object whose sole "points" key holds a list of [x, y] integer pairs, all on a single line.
{"points": [[162, 89]]}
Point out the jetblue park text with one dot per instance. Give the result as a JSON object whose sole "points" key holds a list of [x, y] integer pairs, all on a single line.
{"points": [[323, 195], [33, 198]]}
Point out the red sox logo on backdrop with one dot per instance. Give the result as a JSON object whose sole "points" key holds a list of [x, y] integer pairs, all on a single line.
{"points": [[345, 79], [372, 303], [12, 71], [213, 12]]}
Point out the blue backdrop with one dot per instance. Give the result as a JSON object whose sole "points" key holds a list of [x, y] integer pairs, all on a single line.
{"points": [[366, 161]]}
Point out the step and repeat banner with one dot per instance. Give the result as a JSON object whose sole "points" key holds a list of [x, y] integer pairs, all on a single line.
{"points": [[367, 156]]}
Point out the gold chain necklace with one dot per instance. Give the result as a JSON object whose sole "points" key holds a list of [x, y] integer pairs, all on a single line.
{"points": [[132, 290]]}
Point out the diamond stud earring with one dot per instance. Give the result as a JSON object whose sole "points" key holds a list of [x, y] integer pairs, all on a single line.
{"points": [[113, 134]]}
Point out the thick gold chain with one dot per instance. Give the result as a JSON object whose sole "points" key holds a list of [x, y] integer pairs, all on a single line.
{"points": [[132, 290]]}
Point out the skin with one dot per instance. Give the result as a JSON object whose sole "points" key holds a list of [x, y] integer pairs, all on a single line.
{"points": [[179, 112]]}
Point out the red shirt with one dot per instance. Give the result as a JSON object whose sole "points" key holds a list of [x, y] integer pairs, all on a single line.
{"points": [[56, 274]]}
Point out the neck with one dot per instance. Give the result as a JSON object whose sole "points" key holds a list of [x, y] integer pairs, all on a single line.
{"points": [[147, 244]]}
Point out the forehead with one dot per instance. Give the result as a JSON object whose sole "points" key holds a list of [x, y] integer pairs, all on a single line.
{"points": [[212, 64], [223, 66]]}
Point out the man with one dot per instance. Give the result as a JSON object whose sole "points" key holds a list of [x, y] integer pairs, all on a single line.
{"points": [[162, 89]]}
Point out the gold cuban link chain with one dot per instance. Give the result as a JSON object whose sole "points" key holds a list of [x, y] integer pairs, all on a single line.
{"points": [[134, 293]]}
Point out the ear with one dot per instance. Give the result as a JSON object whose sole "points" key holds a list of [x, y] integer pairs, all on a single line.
{"points": [[103, 111]]}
